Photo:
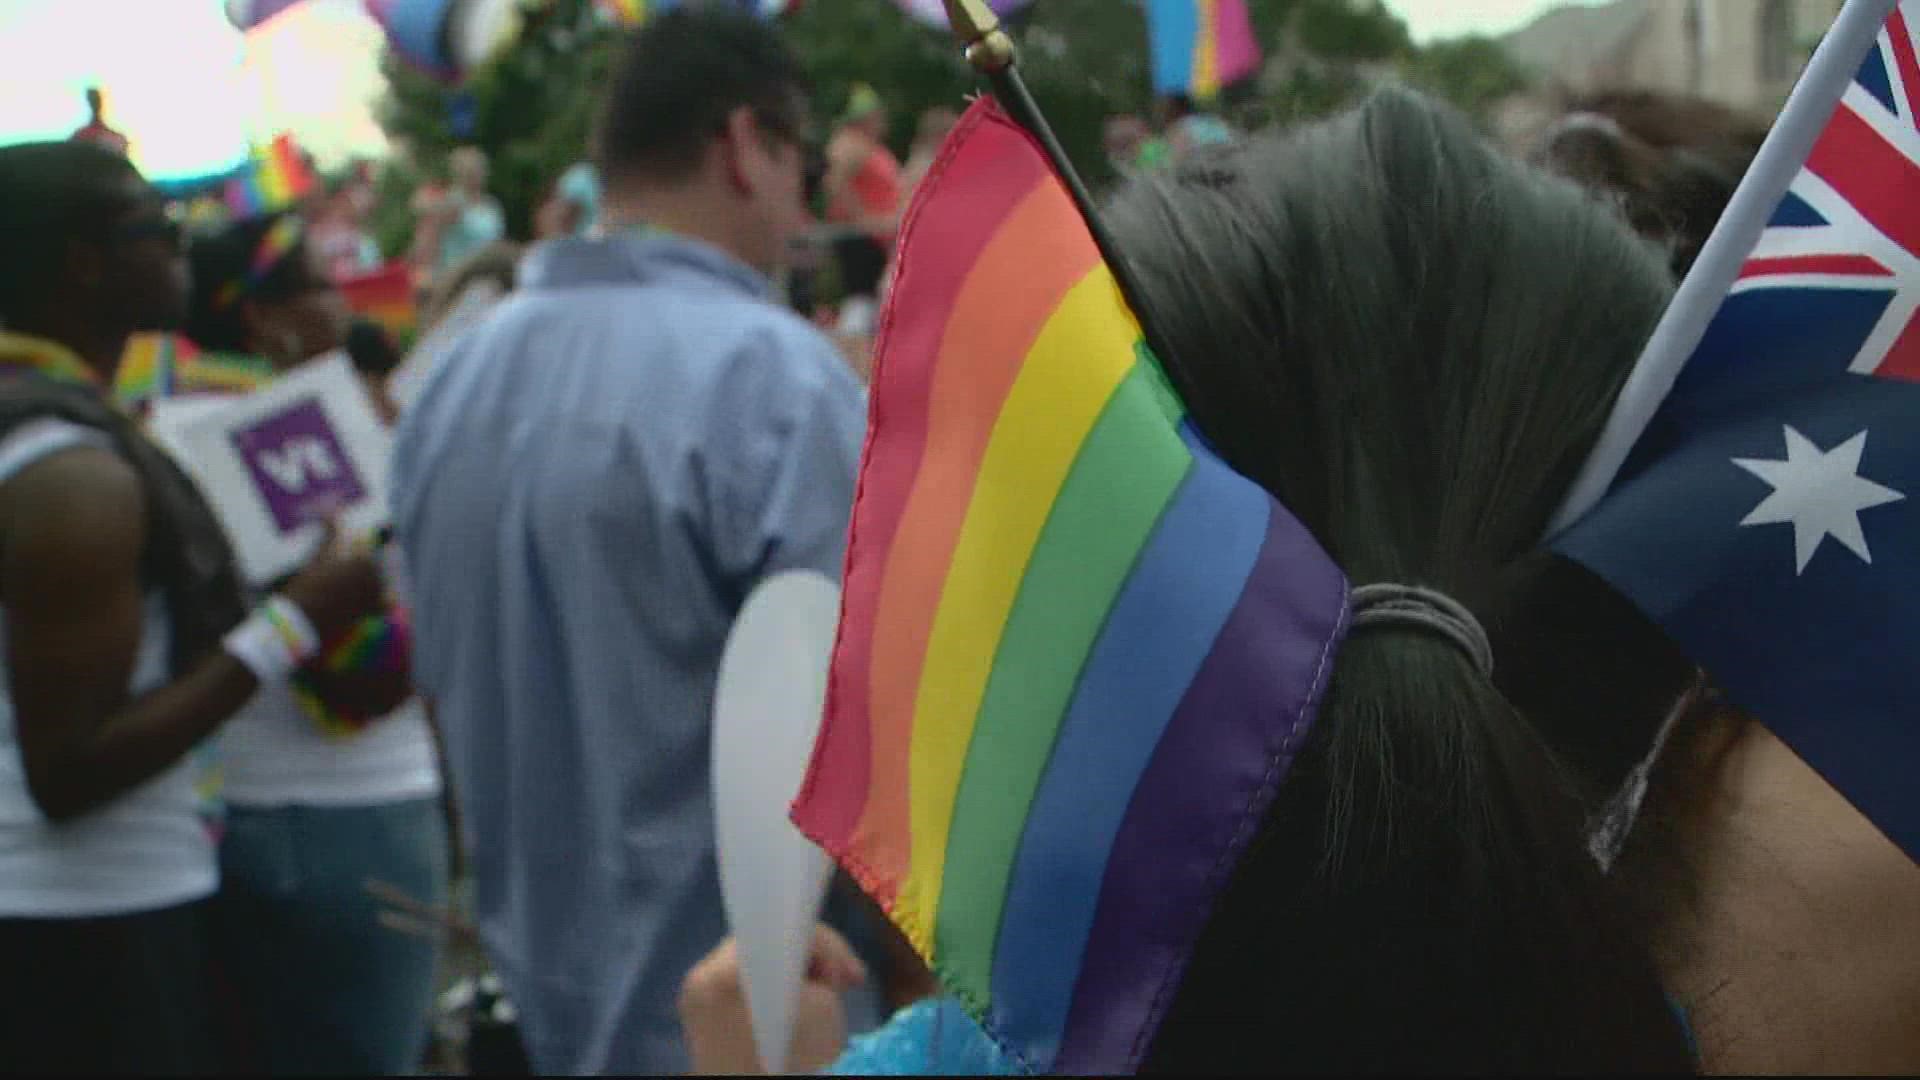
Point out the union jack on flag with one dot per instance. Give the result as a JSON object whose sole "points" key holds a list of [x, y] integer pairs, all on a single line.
{"points": [[1757, 491], [1850, 219]]}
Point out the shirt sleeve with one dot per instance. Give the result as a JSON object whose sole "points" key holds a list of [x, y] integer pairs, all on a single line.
{"points": [[934, 1037], [784, 445]]}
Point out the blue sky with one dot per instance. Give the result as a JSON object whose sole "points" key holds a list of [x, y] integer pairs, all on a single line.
{"points": [[189, 90]]}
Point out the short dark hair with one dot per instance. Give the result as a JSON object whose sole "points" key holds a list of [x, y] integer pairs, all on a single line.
{"points": [[682, 75], [51, 192], [1670, 162], [1413, 341], [224, 276]]}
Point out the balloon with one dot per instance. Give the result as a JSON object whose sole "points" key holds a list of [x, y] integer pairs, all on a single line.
{"points": [[247, 14], [446, 38], [766, 713]]}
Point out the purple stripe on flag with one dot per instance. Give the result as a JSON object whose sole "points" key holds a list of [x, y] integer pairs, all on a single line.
{"points": [[1176, 601], [1214, 774]]}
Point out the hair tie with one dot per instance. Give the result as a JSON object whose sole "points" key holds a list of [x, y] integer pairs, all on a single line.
{"points": [[1387, 604]]}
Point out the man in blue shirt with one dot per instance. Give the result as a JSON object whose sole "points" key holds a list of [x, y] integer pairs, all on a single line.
{"points": [[589, 486]]}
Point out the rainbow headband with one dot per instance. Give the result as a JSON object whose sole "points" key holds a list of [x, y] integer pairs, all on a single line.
{"points": [[281, 238], [1077, 651]]}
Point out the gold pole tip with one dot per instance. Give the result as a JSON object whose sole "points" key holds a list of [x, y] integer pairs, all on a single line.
{"points": [[972, 20], [991, 54]]}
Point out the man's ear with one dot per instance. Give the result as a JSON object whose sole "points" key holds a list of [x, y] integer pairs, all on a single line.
{"points": [[739, 141]]}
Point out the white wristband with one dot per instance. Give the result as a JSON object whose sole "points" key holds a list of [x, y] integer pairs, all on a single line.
{"points": [[273, 641]]}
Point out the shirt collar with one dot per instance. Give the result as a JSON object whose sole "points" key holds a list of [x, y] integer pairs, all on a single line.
{"points": [[636, 256]]}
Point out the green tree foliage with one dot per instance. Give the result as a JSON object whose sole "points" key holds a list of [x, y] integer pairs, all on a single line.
{"points": [[1086, 60], [530, 109]]}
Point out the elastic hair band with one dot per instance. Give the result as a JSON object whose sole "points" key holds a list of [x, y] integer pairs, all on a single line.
{"points": [[1390, 605]]}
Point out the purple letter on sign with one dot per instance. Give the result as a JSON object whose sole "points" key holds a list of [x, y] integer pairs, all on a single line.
{"points": [[298, 467]]}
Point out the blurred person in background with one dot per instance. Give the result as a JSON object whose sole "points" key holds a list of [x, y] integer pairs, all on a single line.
{"points": [[572, 208], [1669, 162], [470, 218], [337, 230], [95, 130], [127, 638], [329, 784], [622, 451], [935, 125]]}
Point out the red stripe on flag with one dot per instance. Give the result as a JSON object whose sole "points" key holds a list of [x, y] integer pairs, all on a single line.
{"points": [[1903, 356], [1846, 265], [1868, 172], [1903, 59]]}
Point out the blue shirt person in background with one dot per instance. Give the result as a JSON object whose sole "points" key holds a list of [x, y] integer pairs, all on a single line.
{"points": [[473, 218], [587, 489]]}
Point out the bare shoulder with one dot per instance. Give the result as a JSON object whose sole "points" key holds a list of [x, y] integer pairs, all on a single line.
{"points": [[78, 509]]}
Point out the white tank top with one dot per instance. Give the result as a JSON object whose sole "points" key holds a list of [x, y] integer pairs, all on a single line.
{"points": [[145, 850], [273, 755]]}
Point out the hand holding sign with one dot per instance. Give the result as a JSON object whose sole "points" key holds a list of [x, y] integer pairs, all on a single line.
{"points": [[766, 712], [308, 448], [341, 585]]}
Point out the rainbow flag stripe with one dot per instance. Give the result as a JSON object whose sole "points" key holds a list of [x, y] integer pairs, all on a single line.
{"points": [[623, 12], [1076, 652], [1199, 46], [386, 297], [274, 180], [161, 365]]}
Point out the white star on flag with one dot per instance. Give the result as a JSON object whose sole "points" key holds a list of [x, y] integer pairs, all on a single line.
{"points": [[1820, 493]]}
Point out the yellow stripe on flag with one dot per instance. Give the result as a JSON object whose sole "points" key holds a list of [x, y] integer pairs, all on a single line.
{"points": [[1059, 393]]}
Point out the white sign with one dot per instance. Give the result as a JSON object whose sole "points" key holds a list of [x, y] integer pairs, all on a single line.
{"points": [[766, 714], [278, 462]]}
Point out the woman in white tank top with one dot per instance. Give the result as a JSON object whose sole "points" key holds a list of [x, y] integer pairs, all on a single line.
{"points": [[318, 805], [118, 613]]}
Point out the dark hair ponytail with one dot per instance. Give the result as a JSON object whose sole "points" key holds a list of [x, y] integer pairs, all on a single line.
{"points": [[1413, 342]]}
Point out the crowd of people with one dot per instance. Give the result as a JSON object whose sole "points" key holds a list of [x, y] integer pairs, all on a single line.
{"points": [[220, 853]]}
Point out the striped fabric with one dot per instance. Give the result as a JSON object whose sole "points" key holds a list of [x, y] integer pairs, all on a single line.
{"points": [[1077, 650]]}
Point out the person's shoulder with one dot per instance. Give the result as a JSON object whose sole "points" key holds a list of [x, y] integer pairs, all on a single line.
{"points": [[80, 498], [786, 360]]}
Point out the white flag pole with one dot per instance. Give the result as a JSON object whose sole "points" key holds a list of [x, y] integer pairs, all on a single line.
{"points": [[1679, 331]]}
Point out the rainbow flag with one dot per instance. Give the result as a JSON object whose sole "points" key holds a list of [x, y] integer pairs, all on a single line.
{"points": [[386, 297], [275, 179], [1076, 650], [161, 365], [623, 12], [1200, 46], [148, 369]]}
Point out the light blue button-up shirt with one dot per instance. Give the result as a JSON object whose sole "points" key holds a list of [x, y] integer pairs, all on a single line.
{"points": [[588, 487]]}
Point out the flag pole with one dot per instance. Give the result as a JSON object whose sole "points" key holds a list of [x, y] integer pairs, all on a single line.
{"points": [[1679, 331], [990, 51]]}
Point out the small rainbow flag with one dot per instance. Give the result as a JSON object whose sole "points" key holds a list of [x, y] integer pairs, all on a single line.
{"points": [[1200, 46], [162, 365], [274, 180], [149, 368], [386, 297], [623, 12], [1076, 652]]}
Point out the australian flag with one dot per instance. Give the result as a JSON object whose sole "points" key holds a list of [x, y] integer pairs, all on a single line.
{"points": [[1768, 514]]}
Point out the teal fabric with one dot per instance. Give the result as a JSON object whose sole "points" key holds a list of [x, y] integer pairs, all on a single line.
{"points": [[934, 1037]]}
